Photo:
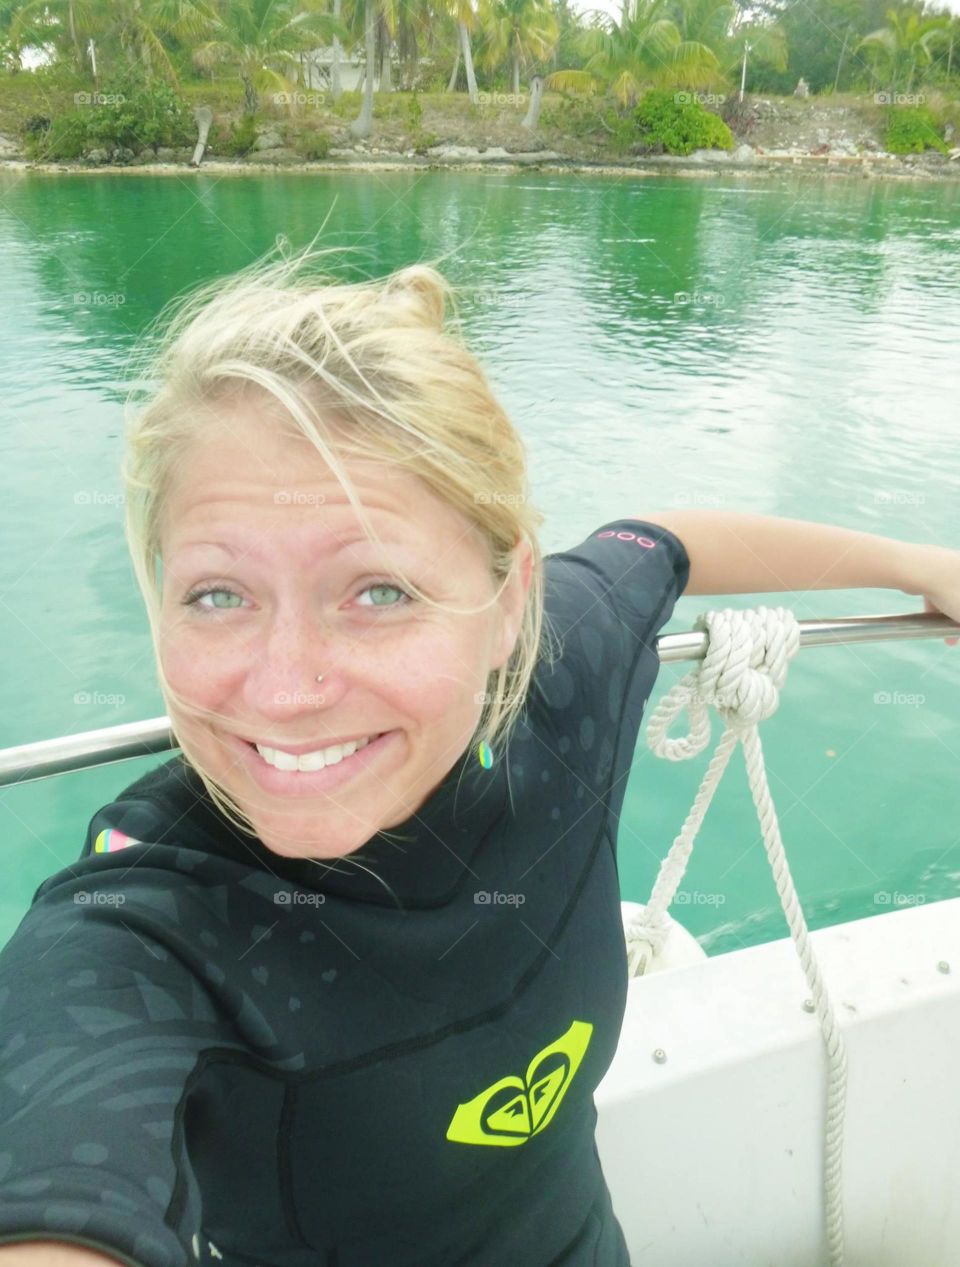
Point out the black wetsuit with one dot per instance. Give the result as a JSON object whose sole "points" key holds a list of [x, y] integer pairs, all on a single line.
{"points": [[211, 1053]]}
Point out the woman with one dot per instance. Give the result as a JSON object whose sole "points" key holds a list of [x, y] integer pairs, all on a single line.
{"points": [[337, 984]]}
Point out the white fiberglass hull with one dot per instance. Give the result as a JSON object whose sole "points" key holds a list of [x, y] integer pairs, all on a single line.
{"points": [[714, 1155]]}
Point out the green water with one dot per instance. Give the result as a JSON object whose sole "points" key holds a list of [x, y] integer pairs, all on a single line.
{"points": [[809, 372]]}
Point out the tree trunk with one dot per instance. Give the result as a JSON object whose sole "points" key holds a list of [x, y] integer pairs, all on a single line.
{"points": [[72, 24], [250, 100], [386, 61], [533, 110], [335, 87], [468, 62], [363, 124], [456, 70], [204, 118], [840, 62]]}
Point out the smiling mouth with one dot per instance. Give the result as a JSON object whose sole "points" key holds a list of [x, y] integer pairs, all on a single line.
{"points": [[315, 761]]}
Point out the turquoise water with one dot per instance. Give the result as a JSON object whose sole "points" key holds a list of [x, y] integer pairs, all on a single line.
{"points": [[781, 346]]}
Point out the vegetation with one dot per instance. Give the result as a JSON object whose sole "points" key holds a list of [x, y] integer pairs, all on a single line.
{"points": [[912, 129], [678, 123], [126, 114], [656, 75]]}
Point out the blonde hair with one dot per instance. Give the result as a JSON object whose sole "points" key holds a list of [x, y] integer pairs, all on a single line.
{"points": [[373, 360]]}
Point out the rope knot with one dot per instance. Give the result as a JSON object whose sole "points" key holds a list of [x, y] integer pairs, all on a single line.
{"points": [[745, 665]]}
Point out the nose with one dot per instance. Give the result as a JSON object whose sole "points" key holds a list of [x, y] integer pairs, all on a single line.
{"points": [[282, 680]]}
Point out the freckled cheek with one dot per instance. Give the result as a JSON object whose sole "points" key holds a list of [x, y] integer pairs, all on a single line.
{"points": [[440, 678], [191, 666]]}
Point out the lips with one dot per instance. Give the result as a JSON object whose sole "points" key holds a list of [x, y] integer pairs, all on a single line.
{"points": [[297, 750], [305, 783]]}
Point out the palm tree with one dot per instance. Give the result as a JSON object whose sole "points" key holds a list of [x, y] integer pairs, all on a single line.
{"points": [[646, 49], [906, 42], [138, 26], [259, 38], [524, 30], [363, 123], [465, 16], [40, 21], [766, 42]]}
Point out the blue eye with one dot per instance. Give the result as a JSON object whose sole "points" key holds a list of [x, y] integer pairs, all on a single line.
{"points": [[193, 599], [381, 586]]}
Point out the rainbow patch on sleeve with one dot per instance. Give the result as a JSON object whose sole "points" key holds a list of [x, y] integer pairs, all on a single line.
{"points": [[110, 840]]}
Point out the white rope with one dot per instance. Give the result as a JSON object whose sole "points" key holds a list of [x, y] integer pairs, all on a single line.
{"points": [[741, 674]]}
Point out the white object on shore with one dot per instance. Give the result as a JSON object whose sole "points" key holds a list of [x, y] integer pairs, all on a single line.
{"points": [[204, 118]]}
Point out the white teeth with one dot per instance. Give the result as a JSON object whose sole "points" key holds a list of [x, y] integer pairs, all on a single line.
{"points": [[310, 760]]}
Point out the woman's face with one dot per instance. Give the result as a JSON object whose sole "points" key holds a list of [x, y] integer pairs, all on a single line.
{"points": [[297, 590]]}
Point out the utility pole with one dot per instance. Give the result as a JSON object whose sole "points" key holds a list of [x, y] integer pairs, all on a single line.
{"points": [[743, 73], [840, 62]]}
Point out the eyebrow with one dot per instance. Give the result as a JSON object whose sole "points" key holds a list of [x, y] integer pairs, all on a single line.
{"points": [[237, 551]]}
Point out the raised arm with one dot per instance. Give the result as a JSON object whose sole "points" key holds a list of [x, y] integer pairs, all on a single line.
{"points": [[733, 553]]}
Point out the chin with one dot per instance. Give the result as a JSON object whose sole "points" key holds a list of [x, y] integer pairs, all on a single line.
{"points": [[302, 840]]}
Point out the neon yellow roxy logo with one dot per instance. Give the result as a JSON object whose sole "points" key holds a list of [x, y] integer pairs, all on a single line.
{"points": [[514, 1109]]}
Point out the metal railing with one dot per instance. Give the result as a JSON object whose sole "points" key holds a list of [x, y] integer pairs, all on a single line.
{"points": [[31, 761]]}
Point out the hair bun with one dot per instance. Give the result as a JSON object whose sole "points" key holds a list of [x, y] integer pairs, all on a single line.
{"points": [[423, 290]]}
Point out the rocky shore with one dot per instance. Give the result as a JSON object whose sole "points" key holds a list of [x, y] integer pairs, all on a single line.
{"points": [[777, 135]]}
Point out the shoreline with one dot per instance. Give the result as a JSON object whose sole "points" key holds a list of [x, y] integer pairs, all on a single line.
{"points": [[887, 167]]}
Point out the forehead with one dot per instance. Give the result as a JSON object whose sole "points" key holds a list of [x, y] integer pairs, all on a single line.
{"points": [[242, 479]]}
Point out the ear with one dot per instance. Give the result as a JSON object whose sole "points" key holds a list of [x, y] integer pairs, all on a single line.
{"points": [[513, 602]]}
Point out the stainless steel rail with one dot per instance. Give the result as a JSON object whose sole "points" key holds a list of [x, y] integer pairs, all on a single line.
{"points": [[31, 761]]}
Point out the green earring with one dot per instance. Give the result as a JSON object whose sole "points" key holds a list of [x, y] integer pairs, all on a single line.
{"points": [[485, 755]]}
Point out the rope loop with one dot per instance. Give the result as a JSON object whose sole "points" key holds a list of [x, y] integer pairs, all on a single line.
{"points": [[741, 675]]}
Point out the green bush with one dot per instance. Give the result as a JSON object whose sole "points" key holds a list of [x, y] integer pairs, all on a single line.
{"points": [[422, 141], [126, 113], [678, 123], [242, 137], [313, 145], [64, 138], [911, 130], [572, 117]]}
